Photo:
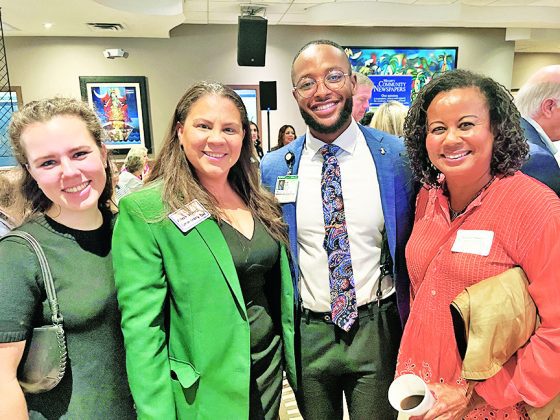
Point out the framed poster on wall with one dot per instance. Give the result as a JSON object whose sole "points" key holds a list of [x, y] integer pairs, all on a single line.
{"points": [[121, 103], [399, 73]]}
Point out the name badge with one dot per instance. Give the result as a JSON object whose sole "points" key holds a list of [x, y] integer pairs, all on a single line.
{"points": [[286, 188], [476, 242], [189, 216]]}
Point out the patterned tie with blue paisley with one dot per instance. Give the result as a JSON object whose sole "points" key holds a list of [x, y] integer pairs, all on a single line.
{"points": [[341, 276]]}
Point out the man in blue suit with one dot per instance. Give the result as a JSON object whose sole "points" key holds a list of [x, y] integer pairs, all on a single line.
{"points": [[351, 272], [538, 100]]}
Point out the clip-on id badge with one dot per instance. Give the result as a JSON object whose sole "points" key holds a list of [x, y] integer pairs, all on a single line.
{"points": [[189, 216], [286, 188]]}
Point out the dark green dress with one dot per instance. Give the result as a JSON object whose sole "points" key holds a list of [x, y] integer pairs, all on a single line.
{"points": [[256, 262]]}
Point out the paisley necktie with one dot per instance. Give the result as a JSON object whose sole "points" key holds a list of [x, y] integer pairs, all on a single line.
{"points": [[341, 277]]}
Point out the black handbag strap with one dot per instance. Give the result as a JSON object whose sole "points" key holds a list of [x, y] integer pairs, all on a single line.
{"points": [[56, 316], [385, 263]]}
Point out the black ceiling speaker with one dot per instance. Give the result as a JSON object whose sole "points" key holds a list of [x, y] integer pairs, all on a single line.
{"points": [[251, 41]]}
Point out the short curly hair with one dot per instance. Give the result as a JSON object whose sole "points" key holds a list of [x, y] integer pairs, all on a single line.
{"points": [[510, 148]]}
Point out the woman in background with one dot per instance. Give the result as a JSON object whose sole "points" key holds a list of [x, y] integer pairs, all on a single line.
{"points": [[67, 182], [256, 139], [8, 196], [389, 117], [477, 216], [208, 310], [286, 135], [130, 179], [137, 152]]}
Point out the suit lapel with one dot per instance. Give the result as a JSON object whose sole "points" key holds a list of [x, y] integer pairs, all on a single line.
{"points": [[289, 209], [214, 239], [385, 178]]}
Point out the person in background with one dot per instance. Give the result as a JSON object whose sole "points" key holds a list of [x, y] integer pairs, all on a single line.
{"points": [[67, 183], [476, 217], [286, 135], [130, 179], [115, 173], [389, 117], [360, 99], [208, 310], [538, 100], [140, 152], [256, 139], [8, 197], [354, 193], [367, 118]]}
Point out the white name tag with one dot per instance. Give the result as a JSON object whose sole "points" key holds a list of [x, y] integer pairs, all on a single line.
{"points": [[189, 216], [476, 242], [286, 188]]}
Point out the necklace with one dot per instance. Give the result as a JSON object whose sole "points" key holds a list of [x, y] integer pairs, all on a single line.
{"points": [[454, 214]]}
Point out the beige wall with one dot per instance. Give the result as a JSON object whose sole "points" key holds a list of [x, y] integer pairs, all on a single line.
{"points": [[48, 66], [525, 64]]}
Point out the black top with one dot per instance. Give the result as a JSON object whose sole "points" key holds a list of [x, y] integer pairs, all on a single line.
{"points": [[256, 262], [95, 385]]}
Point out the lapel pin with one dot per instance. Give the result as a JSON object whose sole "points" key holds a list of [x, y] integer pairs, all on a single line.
{"points": [[382, 150]]}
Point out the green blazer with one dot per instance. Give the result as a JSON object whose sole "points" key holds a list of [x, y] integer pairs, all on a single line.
{"points": [[184, 320]]}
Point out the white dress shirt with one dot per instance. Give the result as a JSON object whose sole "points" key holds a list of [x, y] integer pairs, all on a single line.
{"points": [[364, 220]]}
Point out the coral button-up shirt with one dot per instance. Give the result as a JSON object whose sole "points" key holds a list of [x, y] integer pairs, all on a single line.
{"points": [[524, 217]]}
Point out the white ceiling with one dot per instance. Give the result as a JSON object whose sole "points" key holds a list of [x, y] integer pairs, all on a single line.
{"points": [[533, 24]]}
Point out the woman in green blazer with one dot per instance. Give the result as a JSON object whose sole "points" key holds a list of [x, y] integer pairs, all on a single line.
{"points": [[202, 275]]}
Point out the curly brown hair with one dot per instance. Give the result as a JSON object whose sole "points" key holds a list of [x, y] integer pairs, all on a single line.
{"points": [[43, 111], [181, 184], [510, 148]]}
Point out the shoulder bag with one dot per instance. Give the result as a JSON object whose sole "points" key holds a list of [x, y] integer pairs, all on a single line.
{"points": [[44, 360]]}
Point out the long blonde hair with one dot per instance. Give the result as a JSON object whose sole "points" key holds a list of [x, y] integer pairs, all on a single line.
{"points": [[179, 179], [389, 117]]}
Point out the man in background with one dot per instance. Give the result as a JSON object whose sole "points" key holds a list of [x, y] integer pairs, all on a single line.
{"points": [[538, 101], [360, 100]]}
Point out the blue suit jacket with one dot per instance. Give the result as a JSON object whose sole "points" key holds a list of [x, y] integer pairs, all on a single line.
{"points": [[541, 164], [398, 193]]}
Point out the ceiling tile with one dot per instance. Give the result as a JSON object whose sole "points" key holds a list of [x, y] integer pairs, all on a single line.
{"points": [[195, 6], [397, 1], [512, 3], [476, 2], [196, 17], [420, 2]]}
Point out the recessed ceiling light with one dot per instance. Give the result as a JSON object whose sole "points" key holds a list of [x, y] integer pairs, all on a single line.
{"points": [[47, 25]]}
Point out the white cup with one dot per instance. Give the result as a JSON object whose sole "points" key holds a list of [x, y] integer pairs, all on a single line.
{"points": [[409, 394]]}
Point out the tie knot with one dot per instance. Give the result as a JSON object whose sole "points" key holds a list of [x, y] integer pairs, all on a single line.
{"points": [[329, 150]]}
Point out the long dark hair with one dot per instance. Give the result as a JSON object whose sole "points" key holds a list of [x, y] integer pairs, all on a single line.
{"points": [[510, 147], [281, 134], [181, 184]]}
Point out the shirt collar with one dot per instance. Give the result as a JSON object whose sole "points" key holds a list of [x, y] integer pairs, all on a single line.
{"points": [[549, 143], [346, 141]]}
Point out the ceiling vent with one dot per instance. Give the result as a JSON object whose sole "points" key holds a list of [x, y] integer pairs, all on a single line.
{"points": [[106, 27]]}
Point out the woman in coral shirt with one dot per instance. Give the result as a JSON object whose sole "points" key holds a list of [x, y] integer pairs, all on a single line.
{"points": [[476, 217]]}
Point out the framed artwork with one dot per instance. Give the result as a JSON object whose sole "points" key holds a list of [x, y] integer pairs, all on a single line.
{"points": [[10, 101], [250, 96], [399, 73], [121, 102]]}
